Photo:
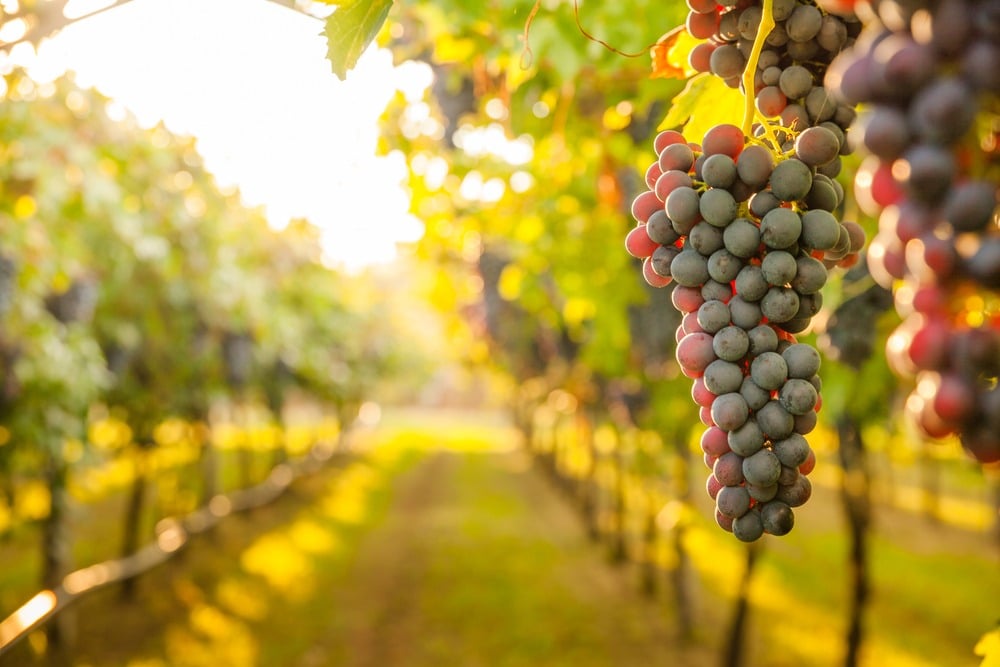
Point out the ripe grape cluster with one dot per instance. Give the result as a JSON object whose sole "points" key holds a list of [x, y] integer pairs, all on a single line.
{"points": [[788, 78], [747, 242], [929, 75]]}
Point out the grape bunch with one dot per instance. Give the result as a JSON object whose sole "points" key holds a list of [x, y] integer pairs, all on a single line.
{"points": [[789, 71], [747, 239], [929, 76]]}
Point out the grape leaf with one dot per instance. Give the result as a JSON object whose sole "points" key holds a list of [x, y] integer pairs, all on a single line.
{"points": [[989, 648], [704, 102], [350, 30]]}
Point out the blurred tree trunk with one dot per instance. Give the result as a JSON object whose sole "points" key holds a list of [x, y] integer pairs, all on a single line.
{"points": [[617, 548], [682, 573], [734, 648], [588, 480], [57, 557], [855, 492], [133, 514], [930, 484]]}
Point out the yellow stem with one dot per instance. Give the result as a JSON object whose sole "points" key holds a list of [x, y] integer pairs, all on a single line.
{"points": [[763, 30]]}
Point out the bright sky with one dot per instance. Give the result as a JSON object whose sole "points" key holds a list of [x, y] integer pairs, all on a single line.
{"points": [[250, 80]]}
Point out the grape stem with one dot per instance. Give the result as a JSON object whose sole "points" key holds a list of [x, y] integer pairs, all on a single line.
{"points": [[763, 30]]}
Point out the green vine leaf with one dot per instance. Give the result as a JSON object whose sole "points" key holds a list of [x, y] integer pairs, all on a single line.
{"points": [[350, 30], [704, 102]]}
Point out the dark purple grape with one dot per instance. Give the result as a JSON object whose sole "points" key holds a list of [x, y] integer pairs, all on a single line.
{"points": [[733, 501], [749, 527], [731, 343], [777, 518], [730, 411], [790, 180]]}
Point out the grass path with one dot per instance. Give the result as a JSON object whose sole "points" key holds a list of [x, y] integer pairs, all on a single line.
{"points": [[443, 550]]}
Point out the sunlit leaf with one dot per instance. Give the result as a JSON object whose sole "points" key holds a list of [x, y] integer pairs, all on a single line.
{"points": [[705, 101], [350, 30], [989, 648], [664, 59]]}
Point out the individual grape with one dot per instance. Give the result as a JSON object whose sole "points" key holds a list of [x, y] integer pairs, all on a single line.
{"points": [[763, 202], [790, 180], [659, 229], [682, 208], [754, 165], [816, 146], [747, 439], [645, 205], [731, 343], [662, 259], [713, 316], [700, 58], [798, 396], [744, 314], [730, 411], [763, 339], [781, 227], [805, 424], [802, 51], [925, 172], [778, 267], [676, 157], [943, 110], [668, 181], [667, 138], [796, 494], [686, 299], [795, 82], [782, 9], [723, 377], [810, 275], [742, 238], [713, 290], [788, 475], [979, 66], [802, 361], [705, 238], [820, 230], [768, 370], [970, 206], [780, 304], [777, 518], [832, 34], [652, 277], [689, 268], [723, 266], [762, 494], [694, 353], [792, 451], [718, 171], [755, 397], [770, 75], [882, 131], [804, 23], [717, 206], [701, 6], [748, 528], [820, 105], [724, 139], [794, 116], [749, 22], [776, 422], [702, 26], [728, 469], [715, 441], [770, 101], [724, 522], [733, 501]]}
